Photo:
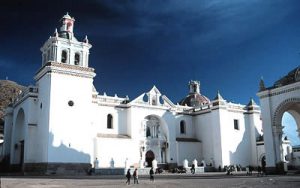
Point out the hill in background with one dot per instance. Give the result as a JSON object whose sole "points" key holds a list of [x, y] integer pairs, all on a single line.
{"points": [[9, 90]]}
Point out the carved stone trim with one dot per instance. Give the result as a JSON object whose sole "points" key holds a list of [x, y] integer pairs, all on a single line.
{"points": [[270, 94], [279, 109], [60, 68]]}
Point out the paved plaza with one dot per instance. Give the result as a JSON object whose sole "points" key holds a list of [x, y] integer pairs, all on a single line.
{"points": [[165, 181]]}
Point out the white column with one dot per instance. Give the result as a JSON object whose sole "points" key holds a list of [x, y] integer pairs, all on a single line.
{"points": [[277, 133], [153, 133]]}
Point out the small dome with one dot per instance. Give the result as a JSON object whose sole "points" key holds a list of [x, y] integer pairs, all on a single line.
{"points": [[194, 100], [67, 16]]}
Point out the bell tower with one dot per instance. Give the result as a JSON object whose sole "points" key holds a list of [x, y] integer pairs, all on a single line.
{"points": [[194, 87], [63, 47], [65, 86], [66, 29]]}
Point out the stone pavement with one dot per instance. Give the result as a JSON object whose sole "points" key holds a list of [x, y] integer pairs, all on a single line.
{"points": [[165, 181]]}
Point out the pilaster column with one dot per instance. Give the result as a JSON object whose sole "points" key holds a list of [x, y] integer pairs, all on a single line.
{"points": [[277, 134]]}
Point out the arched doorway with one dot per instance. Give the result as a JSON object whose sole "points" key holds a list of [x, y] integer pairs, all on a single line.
{"points": [[154, 140], [283, 96], [149, 157], [262, 159], [18, 143]]}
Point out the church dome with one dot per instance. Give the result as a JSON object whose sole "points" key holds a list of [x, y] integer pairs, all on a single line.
{"points": [[194, 100]]}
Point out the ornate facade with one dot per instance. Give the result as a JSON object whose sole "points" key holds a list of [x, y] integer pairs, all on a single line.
{"points": [[63, 121]]}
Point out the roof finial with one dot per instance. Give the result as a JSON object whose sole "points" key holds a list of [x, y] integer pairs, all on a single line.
{"points": [[262, 84], [251, 102], [86, 40], [55, 33], [219, 96]]}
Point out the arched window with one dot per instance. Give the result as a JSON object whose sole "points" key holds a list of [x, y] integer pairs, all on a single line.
{"points": [[64, 56], [77, 59], [109, 121], [182, 127]]}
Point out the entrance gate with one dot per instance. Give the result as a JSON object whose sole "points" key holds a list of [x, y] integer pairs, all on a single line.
{"points": [[283, 96]]}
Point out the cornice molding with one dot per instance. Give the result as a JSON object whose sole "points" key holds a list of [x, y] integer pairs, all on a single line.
{"points": [[60, 68], [279, 91]]}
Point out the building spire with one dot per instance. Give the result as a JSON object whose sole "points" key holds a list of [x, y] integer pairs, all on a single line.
{"points": [[218, 97], [55, 33], [262, 84], [86, 40], [251, 102]]}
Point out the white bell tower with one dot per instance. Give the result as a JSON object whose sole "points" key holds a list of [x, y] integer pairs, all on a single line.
{"points": [[65, 86], [63, 47]]}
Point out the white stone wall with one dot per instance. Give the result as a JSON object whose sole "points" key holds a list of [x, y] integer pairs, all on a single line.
{"points": [[189, 126], [188, 151], [236, 146], [255, 125], [221, 143], [117, 149], [260, 153], [70, 127], [204, 131], [8, 126]]}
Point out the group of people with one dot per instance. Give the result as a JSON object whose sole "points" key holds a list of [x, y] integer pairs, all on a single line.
{"points": [[261, 170], [135, 176]]}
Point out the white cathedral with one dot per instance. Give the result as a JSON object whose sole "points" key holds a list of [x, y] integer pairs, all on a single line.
{"points": [[62, 123]]}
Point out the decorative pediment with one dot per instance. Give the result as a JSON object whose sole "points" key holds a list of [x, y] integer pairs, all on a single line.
{"points": [[153, 98], [140, 99], [154, 91]]}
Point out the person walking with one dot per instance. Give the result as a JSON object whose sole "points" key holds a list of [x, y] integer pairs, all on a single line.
{"points": [[128, 176], [135, 177], [263, 165], [193, 169], [151, 174]]}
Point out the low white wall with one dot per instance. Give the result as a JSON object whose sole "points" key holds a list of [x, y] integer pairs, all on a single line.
{"points": [[189, 151], [117, 149]]}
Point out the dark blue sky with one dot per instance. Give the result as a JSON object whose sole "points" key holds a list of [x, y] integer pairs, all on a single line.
{"points": [[227, 45]]}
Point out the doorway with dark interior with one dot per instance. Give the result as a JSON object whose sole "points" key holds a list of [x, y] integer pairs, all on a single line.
{"points": [[149, 158]]}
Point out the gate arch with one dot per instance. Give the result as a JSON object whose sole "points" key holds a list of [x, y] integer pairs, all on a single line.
{"points": [[283, 96], [291, 105]]}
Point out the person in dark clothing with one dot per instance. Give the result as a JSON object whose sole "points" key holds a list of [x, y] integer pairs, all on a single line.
{"points": [[151, 174], [259, 171], [263, 165], [135, 177], [193, 169], [128, 176]]}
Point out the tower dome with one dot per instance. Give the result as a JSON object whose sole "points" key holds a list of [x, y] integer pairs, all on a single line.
{"points": [[194, 98], [64, 48]]}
